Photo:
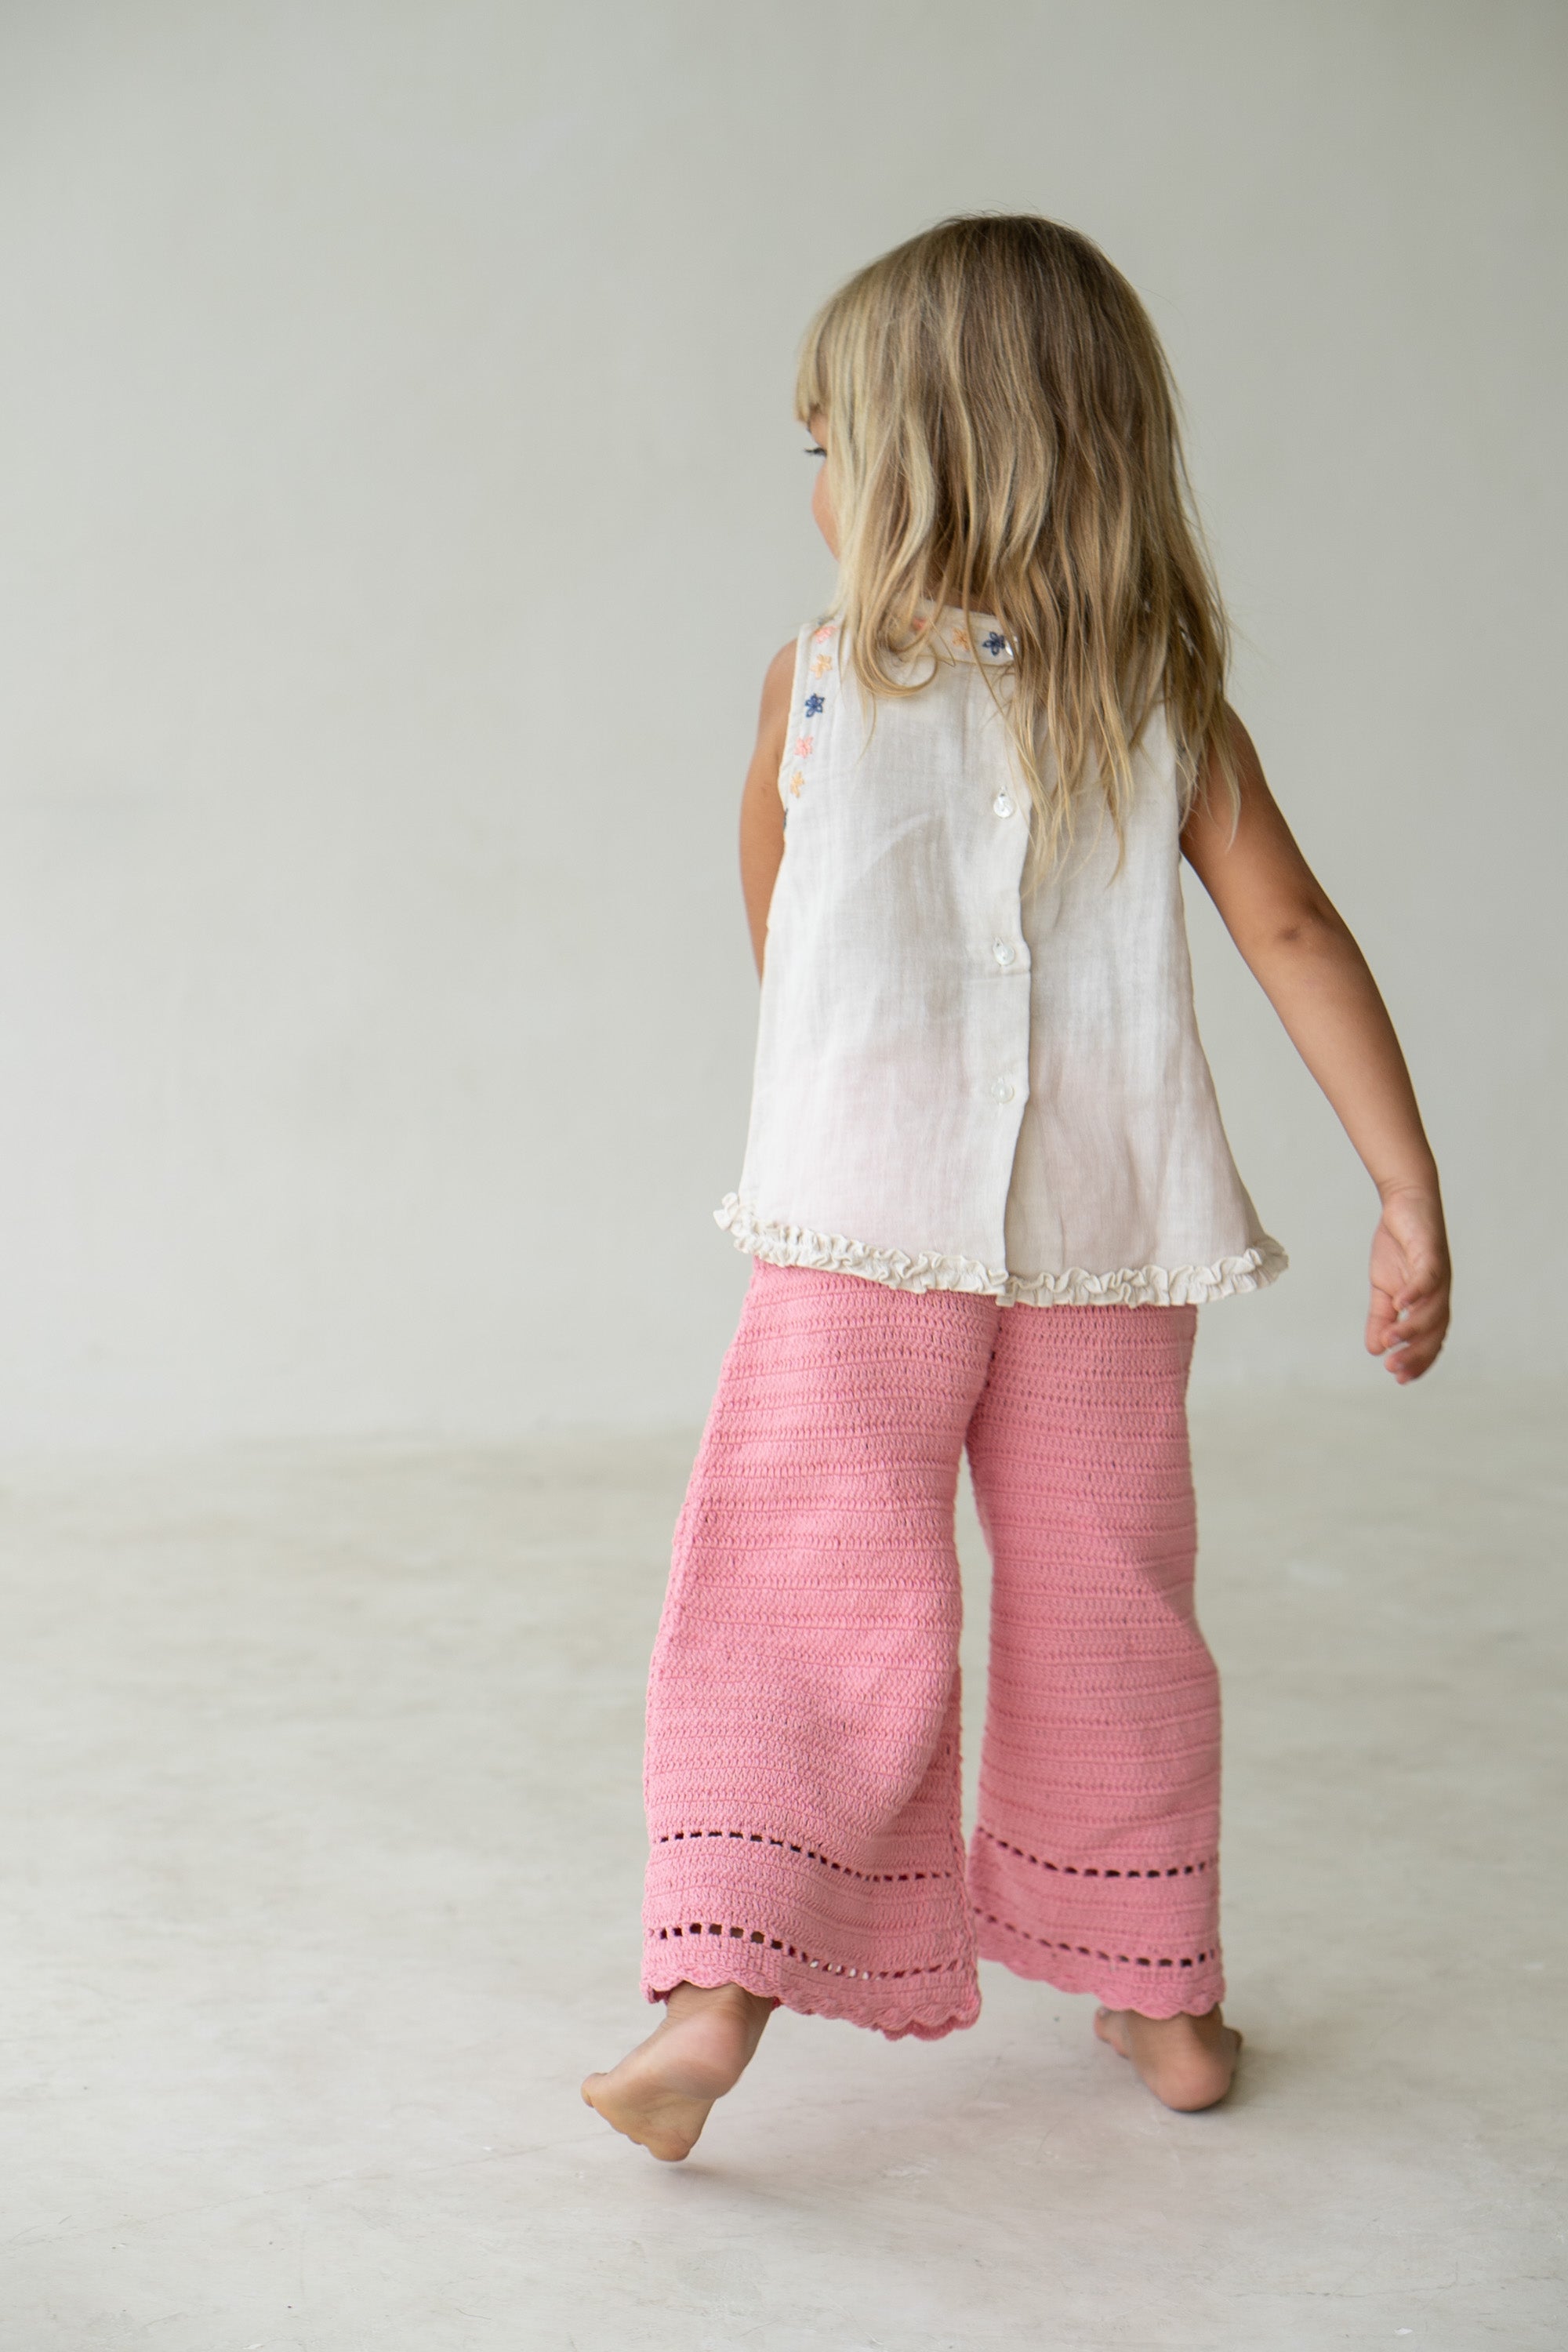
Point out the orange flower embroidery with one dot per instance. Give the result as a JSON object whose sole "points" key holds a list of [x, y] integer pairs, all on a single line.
{"points": [[796, 782]]}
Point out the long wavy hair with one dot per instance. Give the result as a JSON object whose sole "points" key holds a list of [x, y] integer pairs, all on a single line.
{"points": [[1002, 439]]}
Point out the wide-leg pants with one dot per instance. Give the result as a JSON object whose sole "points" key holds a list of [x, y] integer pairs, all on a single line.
{"points": [[802, 1774]]}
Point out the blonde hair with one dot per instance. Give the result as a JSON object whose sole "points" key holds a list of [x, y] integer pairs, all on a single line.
{"points": [[1002, 436]]}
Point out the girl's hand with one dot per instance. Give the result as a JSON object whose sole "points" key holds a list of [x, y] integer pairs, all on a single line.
{"points": [[1409, 1312]]}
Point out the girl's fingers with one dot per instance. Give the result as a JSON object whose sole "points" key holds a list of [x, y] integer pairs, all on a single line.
{"points": [[1416, 1348], [1382, 1321], [1408, 1337], [1408, 1317], [1408, 1366], [1425, 1322]]}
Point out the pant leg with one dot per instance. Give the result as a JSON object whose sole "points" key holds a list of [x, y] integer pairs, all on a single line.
{"points": [[801, 1776], [1094, 1862]]}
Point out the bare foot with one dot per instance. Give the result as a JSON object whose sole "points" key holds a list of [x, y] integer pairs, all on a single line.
{"points": [[660, 2093], [1187, 2062]]}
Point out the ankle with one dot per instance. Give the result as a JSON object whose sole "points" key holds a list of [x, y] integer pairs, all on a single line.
{"points": [[684, 1998]]}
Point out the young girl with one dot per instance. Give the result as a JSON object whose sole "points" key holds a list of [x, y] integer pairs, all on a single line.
{"points": [[985, 1190]]}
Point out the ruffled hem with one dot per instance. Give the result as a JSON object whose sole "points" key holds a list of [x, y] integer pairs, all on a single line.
{"points": [[1143, 1286]]}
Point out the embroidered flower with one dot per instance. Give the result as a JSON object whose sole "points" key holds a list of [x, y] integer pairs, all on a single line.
{"points": [[796, 782], [803, 747], [822, 665], [814, 703], [824, 634], [996, 643]]}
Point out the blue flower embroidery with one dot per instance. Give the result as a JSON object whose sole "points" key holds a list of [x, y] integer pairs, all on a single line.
{"points": [[812, 705], [996, 643]]}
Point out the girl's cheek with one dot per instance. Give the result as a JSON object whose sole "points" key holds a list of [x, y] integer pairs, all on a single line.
{"points": [[821, 510]]}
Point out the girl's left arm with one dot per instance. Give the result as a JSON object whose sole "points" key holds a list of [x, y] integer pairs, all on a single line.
{"points": [[1317, 980], [762, 813]]}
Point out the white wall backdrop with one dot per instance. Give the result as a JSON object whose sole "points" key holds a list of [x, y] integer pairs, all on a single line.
{"points": [[398, 505]]}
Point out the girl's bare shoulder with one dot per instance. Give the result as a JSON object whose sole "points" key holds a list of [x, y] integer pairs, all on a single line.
{"points": [[778, 684]]}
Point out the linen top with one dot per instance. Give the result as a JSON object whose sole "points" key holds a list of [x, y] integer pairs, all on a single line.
{"points": [[959, 1085]]}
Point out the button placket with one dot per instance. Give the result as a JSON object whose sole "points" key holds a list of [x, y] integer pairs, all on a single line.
{"points": [[1002, 846]]}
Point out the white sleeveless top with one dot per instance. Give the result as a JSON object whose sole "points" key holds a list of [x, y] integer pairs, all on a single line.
{"points": [[957, 1086]]}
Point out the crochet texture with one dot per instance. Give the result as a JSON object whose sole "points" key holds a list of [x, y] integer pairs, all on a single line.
{"points": [[802, 1774]]}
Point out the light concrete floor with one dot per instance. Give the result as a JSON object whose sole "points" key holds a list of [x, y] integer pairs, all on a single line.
{"points": [[322, 1847]]}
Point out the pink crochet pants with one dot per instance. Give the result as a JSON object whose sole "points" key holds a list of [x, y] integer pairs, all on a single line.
{"points": [[802, 1742]]}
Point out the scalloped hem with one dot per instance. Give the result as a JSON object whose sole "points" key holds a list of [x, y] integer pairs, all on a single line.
{"points": [[1143, 1286], [816, 1990], [1151, 1990]]}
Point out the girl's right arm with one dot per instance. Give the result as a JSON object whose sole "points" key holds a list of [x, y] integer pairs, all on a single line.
{"points": [[762, 812]]}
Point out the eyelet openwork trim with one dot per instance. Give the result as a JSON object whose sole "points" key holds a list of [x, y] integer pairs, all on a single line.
{"points": [[1092, 1951], [806, 1959], [1143, 1286], [808, 1854], [1087, 1869]]}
